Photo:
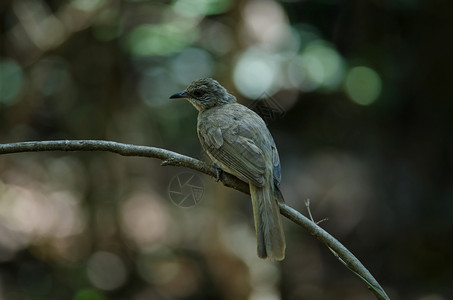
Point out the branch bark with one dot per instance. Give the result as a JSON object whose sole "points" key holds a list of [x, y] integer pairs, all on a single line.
{"points": [[179, 160]]}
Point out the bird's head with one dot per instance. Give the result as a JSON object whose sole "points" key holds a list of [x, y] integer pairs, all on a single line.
{"points": [[205, 93]]}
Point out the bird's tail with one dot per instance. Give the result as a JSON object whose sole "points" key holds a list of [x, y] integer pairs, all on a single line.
{"points": [[269, 230]]}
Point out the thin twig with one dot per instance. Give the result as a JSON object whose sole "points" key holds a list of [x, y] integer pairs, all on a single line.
{"points": [[374, 288], [176, 159]]}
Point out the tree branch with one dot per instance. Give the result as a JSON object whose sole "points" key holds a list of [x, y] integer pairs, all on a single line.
{"points": [[179, 160]]}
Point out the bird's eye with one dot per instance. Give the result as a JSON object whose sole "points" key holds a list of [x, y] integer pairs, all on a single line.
{"points": [[197, 93]]}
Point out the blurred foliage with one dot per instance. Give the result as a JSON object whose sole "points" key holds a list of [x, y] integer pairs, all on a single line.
{"points": [[367, 135]]}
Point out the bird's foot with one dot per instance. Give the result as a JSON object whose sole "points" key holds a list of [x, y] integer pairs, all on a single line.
{"points": [[218, 172]]}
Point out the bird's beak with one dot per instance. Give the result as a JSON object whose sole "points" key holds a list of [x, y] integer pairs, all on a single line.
{"points": [[182, 94]]}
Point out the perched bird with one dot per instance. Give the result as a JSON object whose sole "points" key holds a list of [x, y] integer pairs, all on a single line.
{"points": [[238, 141]]}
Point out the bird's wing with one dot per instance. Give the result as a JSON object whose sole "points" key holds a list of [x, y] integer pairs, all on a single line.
{"points": [[277, 172], [233, 146]]}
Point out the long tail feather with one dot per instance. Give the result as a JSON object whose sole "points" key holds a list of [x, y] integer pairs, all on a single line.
{"points": [[269, 230]]}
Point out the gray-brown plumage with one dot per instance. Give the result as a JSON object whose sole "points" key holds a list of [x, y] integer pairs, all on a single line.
{"points": [[238, 141]]}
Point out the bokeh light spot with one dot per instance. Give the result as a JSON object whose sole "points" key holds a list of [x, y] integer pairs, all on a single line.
{"points": [[106, 271], [144, 220], [322, 66], [196, 8], [192, 64], [87, 5], [256, 73], [11, 81], [161, 39], [267, 24], [363, 85], [175, 276], [89, 294]]}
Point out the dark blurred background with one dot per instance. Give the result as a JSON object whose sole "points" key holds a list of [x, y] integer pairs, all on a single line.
{"points": [[364, 92]]}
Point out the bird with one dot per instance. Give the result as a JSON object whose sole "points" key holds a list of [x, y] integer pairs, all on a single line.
{"points": [[238, 142]]}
